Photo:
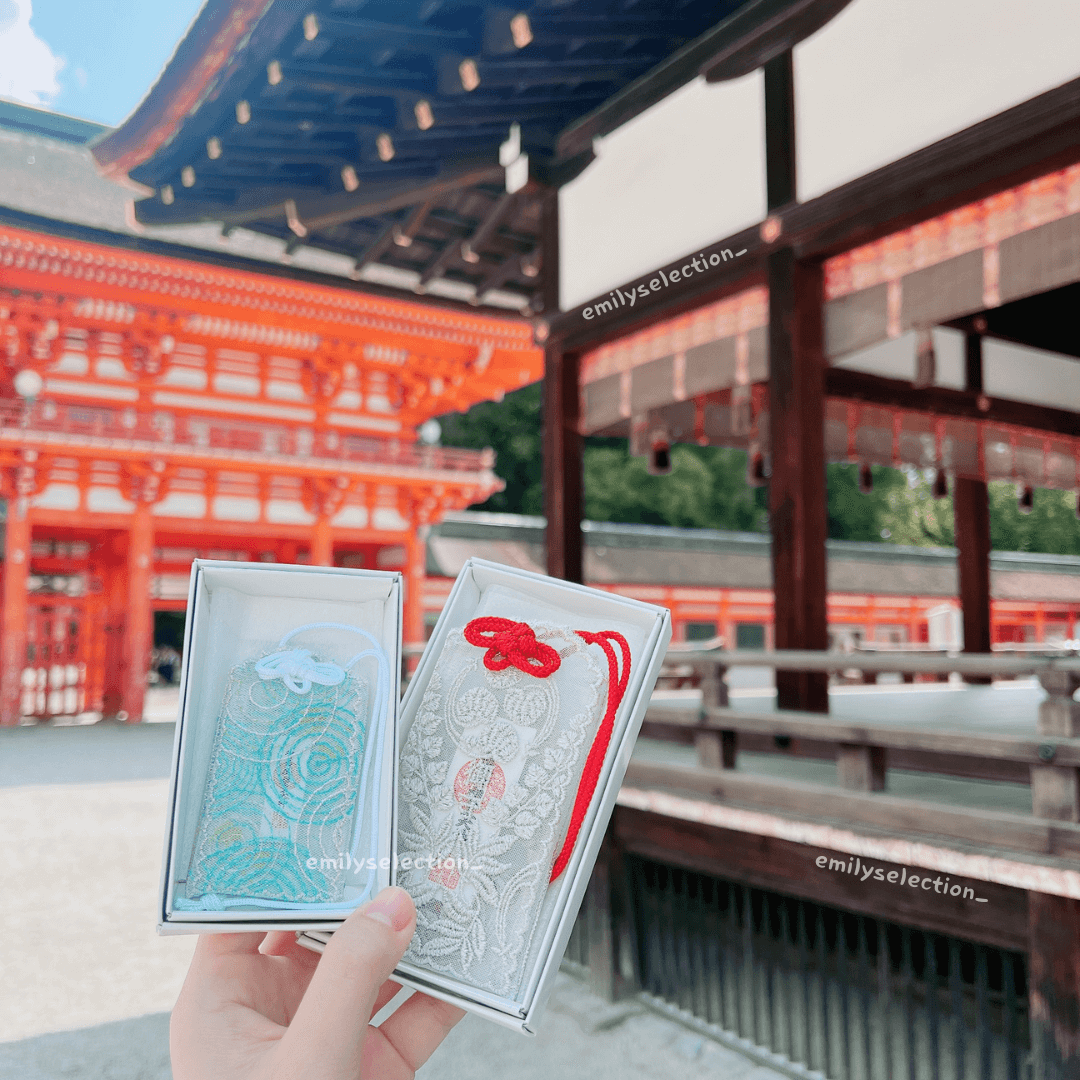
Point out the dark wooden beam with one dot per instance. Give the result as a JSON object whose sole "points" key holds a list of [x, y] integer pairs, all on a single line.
{"points": [[780, 180], [734, 274], [797, 496], [487, 225], [766, 862], [1020, 144], [320, 212], [414, 37], [404, 234], [512, 266], [555, 28], [528, 73], [765, 29], [377, 246], [942, 401], [563, 444], [973, 362], [758, 18], [1054, 986]]}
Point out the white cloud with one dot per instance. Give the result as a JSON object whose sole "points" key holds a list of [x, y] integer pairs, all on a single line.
{"points": [[28, 67]]}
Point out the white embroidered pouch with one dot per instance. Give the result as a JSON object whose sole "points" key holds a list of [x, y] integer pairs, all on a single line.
{"points": [[495, 778]]}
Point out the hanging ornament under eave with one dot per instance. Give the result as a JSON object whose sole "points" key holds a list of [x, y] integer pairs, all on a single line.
{"points": [[866, 478], [1025, 498], [941, 484]]}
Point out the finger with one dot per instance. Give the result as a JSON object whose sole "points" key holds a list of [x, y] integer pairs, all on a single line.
{"points": [[414, 1032], [331, 1023], [284, 943], [212, 946], [387, 992]]}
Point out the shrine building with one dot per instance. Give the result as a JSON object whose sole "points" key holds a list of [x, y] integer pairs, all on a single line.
{"points": [[164, 399]]}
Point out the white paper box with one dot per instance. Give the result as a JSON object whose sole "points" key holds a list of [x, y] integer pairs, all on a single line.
{"points": [[647, 629], [239, 612]]}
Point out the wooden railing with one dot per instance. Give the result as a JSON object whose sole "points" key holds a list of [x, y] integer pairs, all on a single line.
{"points": [[864, 751]]}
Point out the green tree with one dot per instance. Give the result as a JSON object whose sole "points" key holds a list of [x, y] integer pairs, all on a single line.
{"points": [[511, 427], [707, 488], [857, 515]]}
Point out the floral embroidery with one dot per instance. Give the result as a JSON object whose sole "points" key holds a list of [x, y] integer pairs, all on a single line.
{"points": [[488, 775]]}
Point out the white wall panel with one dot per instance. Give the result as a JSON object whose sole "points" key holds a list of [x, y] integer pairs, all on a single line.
{"points": [[885, 78], [683, 174]]}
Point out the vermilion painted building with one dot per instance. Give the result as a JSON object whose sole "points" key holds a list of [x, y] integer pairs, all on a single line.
{"points": [[163, 399]]}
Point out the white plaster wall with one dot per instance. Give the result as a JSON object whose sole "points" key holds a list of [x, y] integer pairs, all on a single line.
{"points": [[686, 172], [886, 77]]}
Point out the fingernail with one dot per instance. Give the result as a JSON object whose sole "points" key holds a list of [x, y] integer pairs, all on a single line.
{"points": [[392, 906]]}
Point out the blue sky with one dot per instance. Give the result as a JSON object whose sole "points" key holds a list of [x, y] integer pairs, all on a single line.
{"points": [[89, 58]]}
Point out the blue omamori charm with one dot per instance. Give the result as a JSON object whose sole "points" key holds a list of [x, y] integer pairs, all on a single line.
{"points": [[286, 784]]}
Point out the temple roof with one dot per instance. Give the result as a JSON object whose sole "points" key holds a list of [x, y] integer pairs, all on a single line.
{"points": [[49, 182], [372, 130], [704, 558]]}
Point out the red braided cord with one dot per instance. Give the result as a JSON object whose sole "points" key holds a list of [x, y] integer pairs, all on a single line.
{"points": [[509, 642], [590, 775]]}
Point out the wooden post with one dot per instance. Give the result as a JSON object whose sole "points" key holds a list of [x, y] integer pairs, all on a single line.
{"points": [[322, 542], [609, 928], [780, 176], [14, 621], [1055, 789], [861, 768], [715, 749], [563, 479], [140, 616], [971, 525], [797, 494], [415, 572]]}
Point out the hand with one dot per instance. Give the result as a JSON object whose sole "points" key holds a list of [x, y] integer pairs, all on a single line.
{"points": [[261, 1007]]}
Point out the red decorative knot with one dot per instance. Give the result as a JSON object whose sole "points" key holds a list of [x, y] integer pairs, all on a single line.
{"points": [[509, 642], [512, 643]]}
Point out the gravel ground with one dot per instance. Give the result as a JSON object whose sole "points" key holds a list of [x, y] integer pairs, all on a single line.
{"points": [[88, 984]]}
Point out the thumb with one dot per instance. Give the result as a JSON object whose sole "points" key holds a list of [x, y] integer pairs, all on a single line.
{"points": [[332, 1021]]}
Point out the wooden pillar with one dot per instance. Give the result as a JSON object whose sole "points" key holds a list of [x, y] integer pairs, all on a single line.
{"points": [[563, 470], [971, 525], [797, 496], [139, 628], [563, 479], [415, 573], [322, 542], [114, 581], [14, 620]]}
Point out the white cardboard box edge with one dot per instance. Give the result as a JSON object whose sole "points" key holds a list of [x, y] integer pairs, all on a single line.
{"points": [[602, 807], [166, 926]]}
